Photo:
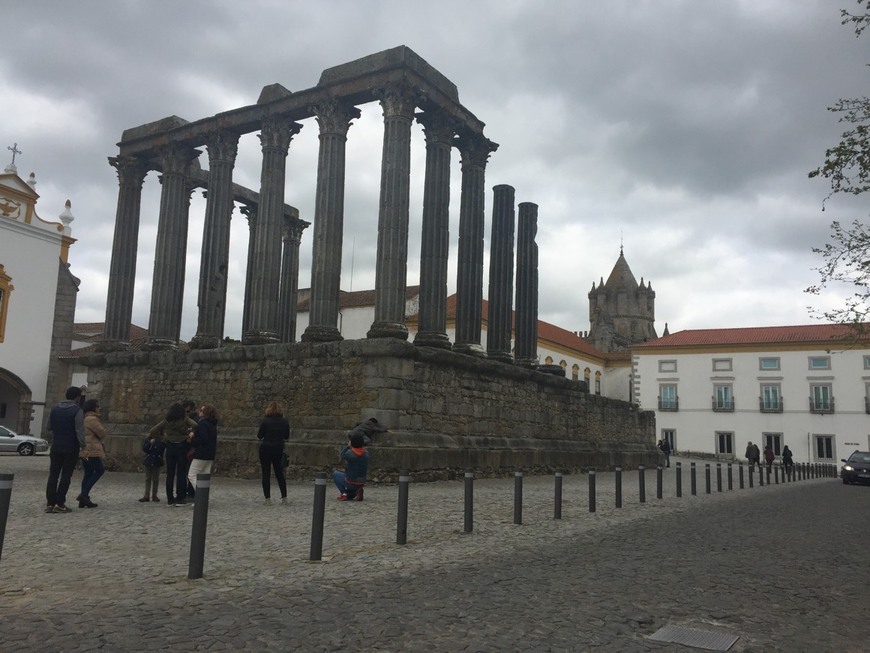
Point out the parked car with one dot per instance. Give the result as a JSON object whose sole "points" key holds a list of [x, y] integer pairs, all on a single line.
{"points": [[856, 468], [25, 445]]}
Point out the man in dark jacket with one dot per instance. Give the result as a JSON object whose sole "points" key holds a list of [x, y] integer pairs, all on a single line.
{"points": [[367, 429], [350, 482], [67, 425]]}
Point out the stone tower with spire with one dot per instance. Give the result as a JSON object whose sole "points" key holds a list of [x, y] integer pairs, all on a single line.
{"points": [[621, 310]]}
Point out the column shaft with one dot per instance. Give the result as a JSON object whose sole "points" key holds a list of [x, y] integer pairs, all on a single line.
{"points": [[125, 244], [474, 150], [527, 286], [290, 277], [170, 252], [501, 275], [432, 326], [392, 259], [250, 212], [334, 121], [214, 265], [275, 137]]}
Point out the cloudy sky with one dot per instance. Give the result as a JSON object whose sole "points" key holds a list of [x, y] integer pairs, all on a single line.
{"points": [[683, 129]]}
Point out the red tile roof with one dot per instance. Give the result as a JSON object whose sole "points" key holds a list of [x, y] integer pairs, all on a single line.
{"points": [[350, 299], [775, 335]]}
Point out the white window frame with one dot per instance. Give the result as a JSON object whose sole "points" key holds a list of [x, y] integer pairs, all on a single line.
{"points": [[769, 363], [723, 365], [819, 362], [666, 366]]}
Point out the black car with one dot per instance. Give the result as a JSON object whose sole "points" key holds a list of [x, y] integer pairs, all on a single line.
{"points": [[856, 468]]}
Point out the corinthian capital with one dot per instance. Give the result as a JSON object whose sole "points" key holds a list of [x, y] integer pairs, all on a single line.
{"points": [[222, 145], [334, 117], [176, 158], [277, 132], [438, 127], [475, 149], [397, 101], [131, 170]]}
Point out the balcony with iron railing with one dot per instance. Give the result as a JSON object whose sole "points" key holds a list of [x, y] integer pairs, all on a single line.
{"points": [[723, 405], [770, 405], [669, 404], [822, 406]]}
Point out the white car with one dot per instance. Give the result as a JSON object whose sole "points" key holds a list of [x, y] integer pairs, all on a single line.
{"points": [[25, 445]]}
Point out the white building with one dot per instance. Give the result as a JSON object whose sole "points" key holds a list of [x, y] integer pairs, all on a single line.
{"points": [[714, 390], [37, 305]]}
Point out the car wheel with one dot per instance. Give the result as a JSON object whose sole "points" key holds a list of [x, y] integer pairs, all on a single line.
{"points": [[26, 449]]}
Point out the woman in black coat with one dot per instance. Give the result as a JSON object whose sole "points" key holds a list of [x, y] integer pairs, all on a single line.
{"points": [[274, 431]]}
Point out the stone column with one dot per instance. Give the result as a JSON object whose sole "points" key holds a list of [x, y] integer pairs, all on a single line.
{"points": [[275, 136], [501, 275], [527, 286], [474, 150], [432, 328], [250, 212], [334, 120], [170, 252], [122, 270], [397, 102], [214, 266], [292, 237]]}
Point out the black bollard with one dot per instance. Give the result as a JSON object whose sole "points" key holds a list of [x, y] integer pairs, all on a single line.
{"points": [[469, 501], [557, 499], [707, 477], [767, 470], [402, 519], [5, 500], [317, 516], [718, 477], [776, 475], [659, 482], [200, 521], [730, 476], [760, 476], [641, 483], [740, 476], [518, 497], [693, 477], [751, 477], [618, 477], [679, 480], [591, 490]]}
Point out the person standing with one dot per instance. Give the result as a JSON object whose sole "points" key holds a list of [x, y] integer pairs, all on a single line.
{"points": [[93, 453], [665, 447], [769, 457], [753, 455], [204, 443], [274, 431], [174, 432], [67, 425], [192, 412], [787, 461], [153, 461]]}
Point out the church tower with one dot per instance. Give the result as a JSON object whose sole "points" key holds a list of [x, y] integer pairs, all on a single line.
{"points": [[621, 311]]}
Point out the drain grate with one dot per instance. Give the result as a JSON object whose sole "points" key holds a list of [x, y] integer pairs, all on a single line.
{"points": [[706, 639]]}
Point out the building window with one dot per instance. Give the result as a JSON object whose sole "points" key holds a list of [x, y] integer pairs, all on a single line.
{"points": [[821, 399], [722, 365], [6, 289], [867, 362], [725, 443], [548, 360], [723, 399], [598, 383], [670, 436], [667, 366], [867, 398], [563, 364], [771, 398], [768, 363], [824, 447], [668, 399], [820, 362], [575, 372], [774, 441]]}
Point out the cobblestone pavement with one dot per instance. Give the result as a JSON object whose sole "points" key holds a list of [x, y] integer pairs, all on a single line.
{"points": [[783, 567]]}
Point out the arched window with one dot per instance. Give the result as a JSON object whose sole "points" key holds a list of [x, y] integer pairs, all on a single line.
{"points": [[598, 383], [563, 364], [575, 372], [548, 360]]}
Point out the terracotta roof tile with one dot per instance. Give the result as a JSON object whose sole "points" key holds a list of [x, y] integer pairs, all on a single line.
{"points": [[774, 335]]}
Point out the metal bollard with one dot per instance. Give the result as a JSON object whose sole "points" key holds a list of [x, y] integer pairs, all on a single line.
{"points": [[557, 499], [591, 490], [740, 476], [776, 475], [767, 470], [518, 497], [469, 501], [718, 477], [693, 477], [707, 477], [751, 477], [679, 480], [659, 482], [200, 521], [760, 476], [402, 519], [642, 483], [618, 477], [317, 514], [5, 500], [730, 476]]}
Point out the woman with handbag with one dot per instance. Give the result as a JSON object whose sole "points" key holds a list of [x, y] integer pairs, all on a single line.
{"points": [[93, 453], [274, 431], [204, 443], [173, 431]]}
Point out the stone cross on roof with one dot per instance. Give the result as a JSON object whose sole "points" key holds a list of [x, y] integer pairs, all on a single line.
{"points": [[14, 149]]}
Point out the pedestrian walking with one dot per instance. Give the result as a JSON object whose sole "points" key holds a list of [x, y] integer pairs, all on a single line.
{"points": [[787, 461], [204, 443], [274, 431], [93, 453], [192, 411], [769, 457], [153, 461], [67, 424], [753, 455], [351, 481], [174, 431]]}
